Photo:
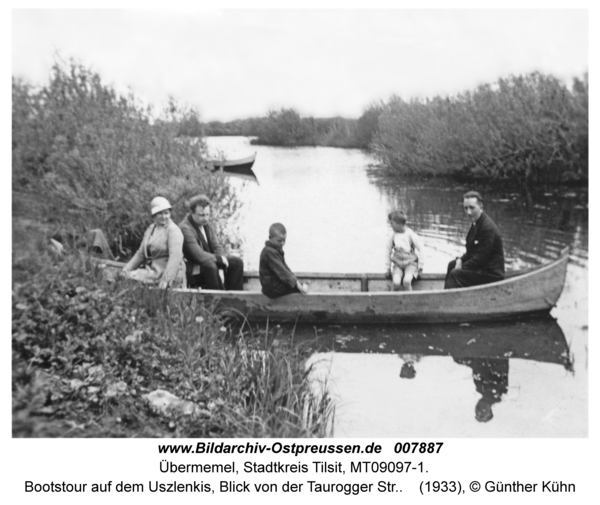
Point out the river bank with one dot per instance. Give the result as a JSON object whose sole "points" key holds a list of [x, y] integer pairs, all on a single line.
{"points": [[88, 354], [92, 358]]}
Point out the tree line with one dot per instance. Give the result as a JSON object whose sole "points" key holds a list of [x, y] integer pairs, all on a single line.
{"points": [[286, 127], [525, 129]]}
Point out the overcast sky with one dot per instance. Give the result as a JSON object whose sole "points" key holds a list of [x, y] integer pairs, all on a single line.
{"points": [[240, 63]]}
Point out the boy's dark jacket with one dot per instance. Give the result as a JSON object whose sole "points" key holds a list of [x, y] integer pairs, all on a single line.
{"points": [[276, 278]]}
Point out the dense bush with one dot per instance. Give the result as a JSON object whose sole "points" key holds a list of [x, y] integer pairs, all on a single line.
{"points": [[527, 129], [367, 125], [84, 352], [95, 158]]}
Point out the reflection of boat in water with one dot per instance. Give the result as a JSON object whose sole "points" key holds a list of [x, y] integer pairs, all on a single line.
{"points": [[487, 349], [366, 298], [538, 339], [241, 167]]}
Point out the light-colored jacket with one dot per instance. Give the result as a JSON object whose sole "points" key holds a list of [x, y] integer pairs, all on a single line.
{"points": [[161, 257]]}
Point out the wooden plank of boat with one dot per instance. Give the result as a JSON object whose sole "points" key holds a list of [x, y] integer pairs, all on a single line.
{"points": [[366, 298]]}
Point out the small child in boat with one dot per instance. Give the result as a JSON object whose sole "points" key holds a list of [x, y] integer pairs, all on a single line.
{"points": [[276, 278], [405, 258]]}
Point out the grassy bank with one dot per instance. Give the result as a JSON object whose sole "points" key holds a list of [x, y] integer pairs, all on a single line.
{"points": [[86, 351]]}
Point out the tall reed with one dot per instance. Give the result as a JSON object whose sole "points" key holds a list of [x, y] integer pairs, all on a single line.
{"points": [[85, 351], [523, 129]]}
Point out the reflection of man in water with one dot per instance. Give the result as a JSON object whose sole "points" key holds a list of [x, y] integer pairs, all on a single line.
{"points": [[491, 382]]}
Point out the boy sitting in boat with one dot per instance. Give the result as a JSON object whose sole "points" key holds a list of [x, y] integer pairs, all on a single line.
{"points": [[276, 278], [405, 258]]}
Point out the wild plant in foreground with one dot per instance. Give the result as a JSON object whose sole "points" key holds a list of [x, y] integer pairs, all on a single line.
{"points": [[85, 351]]}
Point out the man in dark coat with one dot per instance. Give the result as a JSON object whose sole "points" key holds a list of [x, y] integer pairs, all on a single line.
{"points": [[203, 252], [484, 260], [491, 382]]}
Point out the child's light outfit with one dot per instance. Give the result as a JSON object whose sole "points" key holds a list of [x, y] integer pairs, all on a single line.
{"points": [[405, 252]]}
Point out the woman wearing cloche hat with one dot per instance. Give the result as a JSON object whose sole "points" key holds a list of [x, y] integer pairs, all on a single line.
{"points": [[159, 260]]}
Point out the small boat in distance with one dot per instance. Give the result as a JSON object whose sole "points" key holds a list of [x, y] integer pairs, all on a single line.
{"points": [[367, 298], [241, 167]]}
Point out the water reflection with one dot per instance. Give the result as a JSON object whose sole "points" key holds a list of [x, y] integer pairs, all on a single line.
{"points": [[537, 338], [491, 382], [444, 380], [408, 359]]}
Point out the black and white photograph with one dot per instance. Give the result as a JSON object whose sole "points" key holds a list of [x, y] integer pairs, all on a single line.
{"points": [[300, 223]]}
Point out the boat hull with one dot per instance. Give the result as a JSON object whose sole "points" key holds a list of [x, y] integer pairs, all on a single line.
{"points": [[241, 167], [536, 291], [366, 299]]}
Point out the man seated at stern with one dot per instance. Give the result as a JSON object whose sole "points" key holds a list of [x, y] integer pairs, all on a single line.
{"points": [[484, 260], [204, 253]]}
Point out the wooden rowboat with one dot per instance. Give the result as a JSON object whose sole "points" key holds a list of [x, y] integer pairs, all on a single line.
{"points": [[367, 298], [241, 167]]}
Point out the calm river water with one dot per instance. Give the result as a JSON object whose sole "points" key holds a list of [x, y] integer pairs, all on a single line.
{"points": [[533, 373]]}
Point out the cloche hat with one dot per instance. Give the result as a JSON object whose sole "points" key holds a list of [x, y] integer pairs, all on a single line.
{"points": [[159, 204]]}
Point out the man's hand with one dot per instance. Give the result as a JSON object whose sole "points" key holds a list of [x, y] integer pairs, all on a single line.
{"points": [[221, 262], [303, 288], [458, 264]]}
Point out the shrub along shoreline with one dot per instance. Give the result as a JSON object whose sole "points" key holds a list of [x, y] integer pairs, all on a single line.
{"points": [[87, 352], [521, 130], [95, 159]]}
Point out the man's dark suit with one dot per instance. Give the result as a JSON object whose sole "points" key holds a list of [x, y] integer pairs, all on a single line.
{"points": [[484, 260], [207, 253]]}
